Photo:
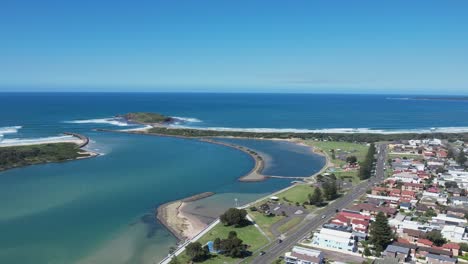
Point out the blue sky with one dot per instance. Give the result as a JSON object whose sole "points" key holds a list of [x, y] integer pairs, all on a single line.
{"points": [[243, 45]]}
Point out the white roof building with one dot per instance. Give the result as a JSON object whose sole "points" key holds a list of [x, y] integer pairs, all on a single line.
{"points": [[454, 234]]}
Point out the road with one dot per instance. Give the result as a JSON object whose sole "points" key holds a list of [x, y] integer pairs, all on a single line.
{"points": [[277, 249]]}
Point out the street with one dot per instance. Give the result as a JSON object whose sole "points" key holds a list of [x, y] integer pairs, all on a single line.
{"points": [[277, 249]]}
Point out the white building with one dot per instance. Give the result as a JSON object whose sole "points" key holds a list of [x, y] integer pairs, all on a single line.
{"points": [[454, 234], [301, 255], [335, 239], [443, 219]]}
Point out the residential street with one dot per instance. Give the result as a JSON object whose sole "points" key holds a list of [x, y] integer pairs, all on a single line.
{"points": [[277, 249]]}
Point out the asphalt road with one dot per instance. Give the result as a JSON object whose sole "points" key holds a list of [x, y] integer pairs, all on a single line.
{"points": [[277, 249]]}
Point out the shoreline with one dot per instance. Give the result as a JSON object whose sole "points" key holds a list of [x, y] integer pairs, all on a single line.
{"points": [[80, 140], [181, 224]]}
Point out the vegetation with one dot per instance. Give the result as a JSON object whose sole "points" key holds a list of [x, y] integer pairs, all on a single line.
{"points": [[330, 190], [297, 194], [18, 156], [234, 217], [380, 233], [461, 158], [196, 252], [366, 166], [293, 222], [316, 197], [147, 118], [347, 137], [232, 246], [436, 237]]}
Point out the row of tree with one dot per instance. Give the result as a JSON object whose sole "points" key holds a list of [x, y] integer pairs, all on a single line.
{"points": [[365, 169]]}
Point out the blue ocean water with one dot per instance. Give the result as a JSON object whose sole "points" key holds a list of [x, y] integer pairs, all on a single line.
{"points": [[101, 210]]}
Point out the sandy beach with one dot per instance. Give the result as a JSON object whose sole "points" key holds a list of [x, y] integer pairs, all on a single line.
{"points": [[181, 223], [37, 141]]}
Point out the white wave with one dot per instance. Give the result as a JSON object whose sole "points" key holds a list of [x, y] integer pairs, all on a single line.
{"points": [[188, 119], [335, 130], [111, 121], [9, 130], [143, 128], [35, 141]]}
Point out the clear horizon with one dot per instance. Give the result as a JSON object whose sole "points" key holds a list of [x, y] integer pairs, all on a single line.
{"points": [[358, 47]]}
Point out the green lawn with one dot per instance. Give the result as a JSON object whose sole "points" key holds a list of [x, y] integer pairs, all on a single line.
{"points": [[298, 193], [290, 224], [265, 222], [348, 148], [249, 234]]}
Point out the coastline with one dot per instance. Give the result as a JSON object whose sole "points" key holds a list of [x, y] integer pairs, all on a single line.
{"points": [[80, 140], [181, 224]]}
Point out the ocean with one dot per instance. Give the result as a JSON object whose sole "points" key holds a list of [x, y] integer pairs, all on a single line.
{"points": [[101, 210]]}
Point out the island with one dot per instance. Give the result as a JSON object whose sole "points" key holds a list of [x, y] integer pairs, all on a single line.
{"points": [[146, 118]]}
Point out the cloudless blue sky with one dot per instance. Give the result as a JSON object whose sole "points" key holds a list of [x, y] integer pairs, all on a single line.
{"points": [[396, 46]]}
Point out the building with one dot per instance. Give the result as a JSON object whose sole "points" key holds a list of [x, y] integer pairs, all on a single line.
{"points": [[335, 239], [439, 259], [301, 255], [400, 253], [454, 234], [443, 219]]}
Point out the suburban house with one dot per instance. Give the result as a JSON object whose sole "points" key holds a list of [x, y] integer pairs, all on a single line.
{"points": [[401, 253], [301, 255], [415, 187], [440, 259]]}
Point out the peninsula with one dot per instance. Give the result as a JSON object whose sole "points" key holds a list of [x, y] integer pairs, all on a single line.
{"points": [[31, 153]]}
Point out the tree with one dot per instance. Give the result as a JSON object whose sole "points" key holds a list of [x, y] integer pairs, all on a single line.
{"points": [[436, 237], [366, 167], [174, 260], [351, 159], [333, 154], [232, 246], [316, 197], [440, 169], [464, 247], [330, 190], [217, 244], [234, 216], [196, 252], [367, 252], [380, 233], [319, 178], [172, 250], [461, 158]]}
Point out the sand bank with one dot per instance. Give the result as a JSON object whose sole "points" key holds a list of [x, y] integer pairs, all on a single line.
{"points": [[181, 223]]}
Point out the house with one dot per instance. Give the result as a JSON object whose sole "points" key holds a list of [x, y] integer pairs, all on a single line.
{"points": [[415, 187], [412, 248], [405, 206], [412, 235], [301, 255], [459, 201], [453, 247], [459, 212], [335, 239], [444, 219], [454, 233], [424, 242], [439, 259], [401, 253], [408, 194], [360, 225], [373, 210]]}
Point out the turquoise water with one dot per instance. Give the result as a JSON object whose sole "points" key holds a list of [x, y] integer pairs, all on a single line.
{"points": [[61, 213], [101, 210], [283, 158]]}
